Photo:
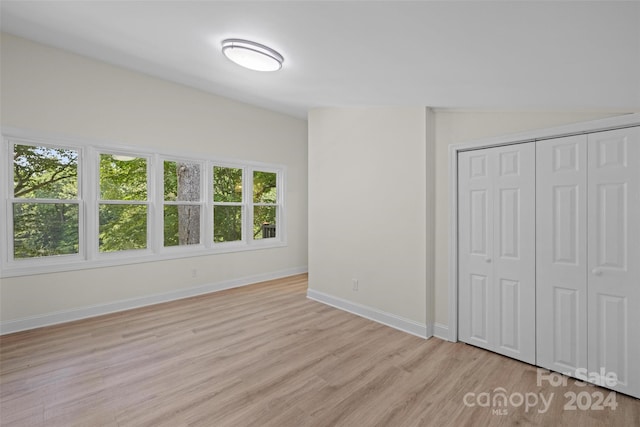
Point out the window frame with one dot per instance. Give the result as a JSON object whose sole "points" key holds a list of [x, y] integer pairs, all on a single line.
{"points": [[89, 255], [278, 205], [243, 208], [98, 151], [8, 236]]}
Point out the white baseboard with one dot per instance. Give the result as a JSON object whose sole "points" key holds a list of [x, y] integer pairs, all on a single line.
{"points": [[441, 331], [48, 319], [418, 329]]}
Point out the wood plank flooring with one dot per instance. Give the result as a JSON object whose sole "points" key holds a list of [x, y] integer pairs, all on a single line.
{"points": [[265, 355]]}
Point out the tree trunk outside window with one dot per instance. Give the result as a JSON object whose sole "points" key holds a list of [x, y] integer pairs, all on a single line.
{"points": [[188, 216]]}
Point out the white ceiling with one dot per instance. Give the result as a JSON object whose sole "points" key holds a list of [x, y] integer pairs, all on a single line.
{"points": [[515, 55]]}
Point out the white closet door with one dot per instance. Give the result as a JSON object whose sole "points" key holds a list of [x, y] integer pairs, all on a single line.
{"points": [[497, 249], [475, 228], [614, 256], [561, 253]]}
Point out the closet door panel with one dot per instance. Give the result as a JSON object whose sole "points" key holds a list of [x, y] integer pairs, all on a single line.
{"points": [[475, 248], [514, 249], [614, 256], [561, 255], [496, 249]]}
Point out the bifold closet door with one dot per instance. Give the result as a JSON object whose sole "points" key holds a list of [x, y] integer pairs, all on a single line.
{"points": [[588, 256], [614, 256], [561, 253], [496, 259]]}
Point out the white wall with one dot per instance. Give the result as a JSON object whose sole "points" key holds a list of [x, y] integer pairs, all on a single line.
{"points": [[368, 213], [49, 90], [453, 127]]}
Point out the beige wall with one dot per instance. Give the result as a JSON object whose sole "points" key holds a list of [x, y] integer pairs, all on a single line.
{"points": [[454, 127], [354, 227], [53, 91], [367, 207]]}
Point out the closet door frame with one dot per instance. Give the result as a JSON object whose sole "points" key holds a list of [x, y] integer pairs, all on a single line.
{"points": [[618, 122]]}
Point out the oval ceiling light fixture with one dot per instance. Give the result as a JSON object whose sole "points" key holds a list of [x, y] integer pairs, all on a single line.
{"points": [[122, 157], [252, 55]]}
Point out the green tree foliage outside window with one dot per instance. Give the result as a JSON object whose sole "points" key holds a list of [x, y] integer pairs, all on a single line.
{"points": [[123, 179], [122, 227], [45, 229], [43, 223]]}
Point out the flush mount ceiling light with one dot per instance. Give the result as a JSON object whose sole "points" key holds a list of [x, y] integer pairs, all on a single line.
{"points": [[122, 158], [252, 55]]}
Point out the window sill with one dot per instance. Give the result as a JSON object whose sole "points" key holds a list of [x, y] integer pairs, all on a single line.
{"points": [[34, 267]]}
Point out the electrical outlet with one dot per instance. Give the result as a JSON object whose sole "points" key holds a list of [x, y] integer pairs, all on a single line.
{"points": [[355, 284], [194, 272]]}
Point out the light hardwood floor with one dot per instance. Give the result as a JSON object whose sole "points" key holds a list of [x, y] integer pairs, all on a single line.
{"points": [[264, 355]]}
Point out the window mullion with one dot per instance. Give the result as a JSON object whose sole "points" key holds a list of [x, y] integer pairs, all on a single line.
{"points": [[155, 196], [151, 212], [206, 200], [90, 191], [248, 202], [6, 228], [82, 246], [125, 202], [281, 220], [207, 197], [6, 232]]}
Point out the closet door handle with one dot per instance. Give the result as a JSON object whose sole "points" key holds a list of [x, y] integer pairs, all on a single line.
{"points": [[596, 272]]}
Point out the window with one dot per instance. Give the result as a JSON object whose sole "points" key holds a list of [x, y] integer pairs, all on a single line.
{"points": [[265, 205], [182, 207], [44, 201], [122, 207], [227, 204], [72, 205]]}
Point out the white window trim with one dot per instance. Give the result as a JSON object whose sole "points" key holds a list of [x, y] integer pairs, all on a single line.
{"points": [[88, 194], [279, 202], [8, 236]]}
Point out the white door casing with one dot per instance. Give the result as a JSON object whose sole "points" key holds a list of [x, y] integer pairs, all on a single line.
{"points": [[497, 249]]}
